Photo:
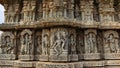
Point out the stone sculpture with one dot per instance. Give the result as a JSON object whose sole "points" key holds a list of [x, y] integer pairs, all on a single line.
{"points": [[59, 43], [111, 42], [90, 42]]}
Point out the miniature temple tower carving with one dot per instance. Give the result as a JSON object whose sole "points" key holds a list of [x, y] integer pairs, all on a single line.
{"points": [[106, 10], [87, 10], [12, 13], [28, 12]]}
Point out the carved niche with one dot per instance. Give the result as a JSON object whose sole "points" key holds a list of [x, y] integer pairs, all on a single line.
{"points": [[26, 45], [45, 45], [80, 43], [38, 44], [90, 41], [72, 45], [111, 42], [111, 45], [91, 47], [7, 47], [59, 44], [72, 42]]}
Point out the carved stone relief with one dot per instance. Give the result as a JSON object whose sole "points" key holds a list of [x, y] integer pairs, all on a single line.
{"points": [[59, 41], [80, 42], [12, 13], [111, 42], [38, 46], [106, 10], [90, 41], [28, 12], [45, 42], [72, 41], [7, 46], [26, 42], [87, 10]]}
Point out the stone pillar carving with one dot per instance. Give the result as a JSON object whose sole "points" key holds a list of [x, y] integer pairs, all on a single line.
{"points": [[106, 10], [45, 45], [7, 47], [59, 44], [72, 45], [91, 48], [38, 45], [28, 12], [111, 45], [26, 43], [87, 10]]}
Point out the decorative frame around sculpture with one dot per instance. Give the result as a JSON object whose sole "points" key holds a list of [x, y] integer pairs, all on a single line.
{"points": [[111, 45], [7, 47], [45, 45], [38, 44], [72, 45], [26, 45], [59, 44], [91, 47]]}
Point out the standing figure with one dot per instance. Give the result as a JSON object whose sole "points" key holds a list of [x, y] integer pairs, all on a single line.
{"points": [[72, 45], [112, 44], [91, 43], [45, 45], [58, 45]]}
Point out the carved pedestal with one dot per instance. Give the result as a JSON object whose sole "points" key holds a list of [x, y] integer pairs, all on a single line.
{"points": [[43, 57], [92, 56], [73, 57], [26, 57], [7, 57], [62, 57], [112, 56]]}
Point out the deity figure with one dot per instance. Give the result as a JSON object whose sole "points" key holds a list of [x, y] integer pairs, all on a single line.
{"points": [[8, 45], [59, 44], [112, 43], [26, 44], [39, 43], [72, 45], [45, 45], [91, 43]]}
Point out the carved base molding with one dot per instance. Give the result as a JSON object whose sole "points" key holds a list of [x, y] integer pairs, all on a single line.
{"points": [[43, 57], [92, 56], [7, 57], [73, 57], [80, 56], [59, 58], [112, 56], [26, 57]]}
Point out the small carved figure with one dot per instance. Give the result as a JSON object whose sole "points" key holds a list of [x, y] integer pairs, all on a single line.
{"points": [[112, 43], [72, 45], [58, 45], [45, 45], [39, 43]]}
